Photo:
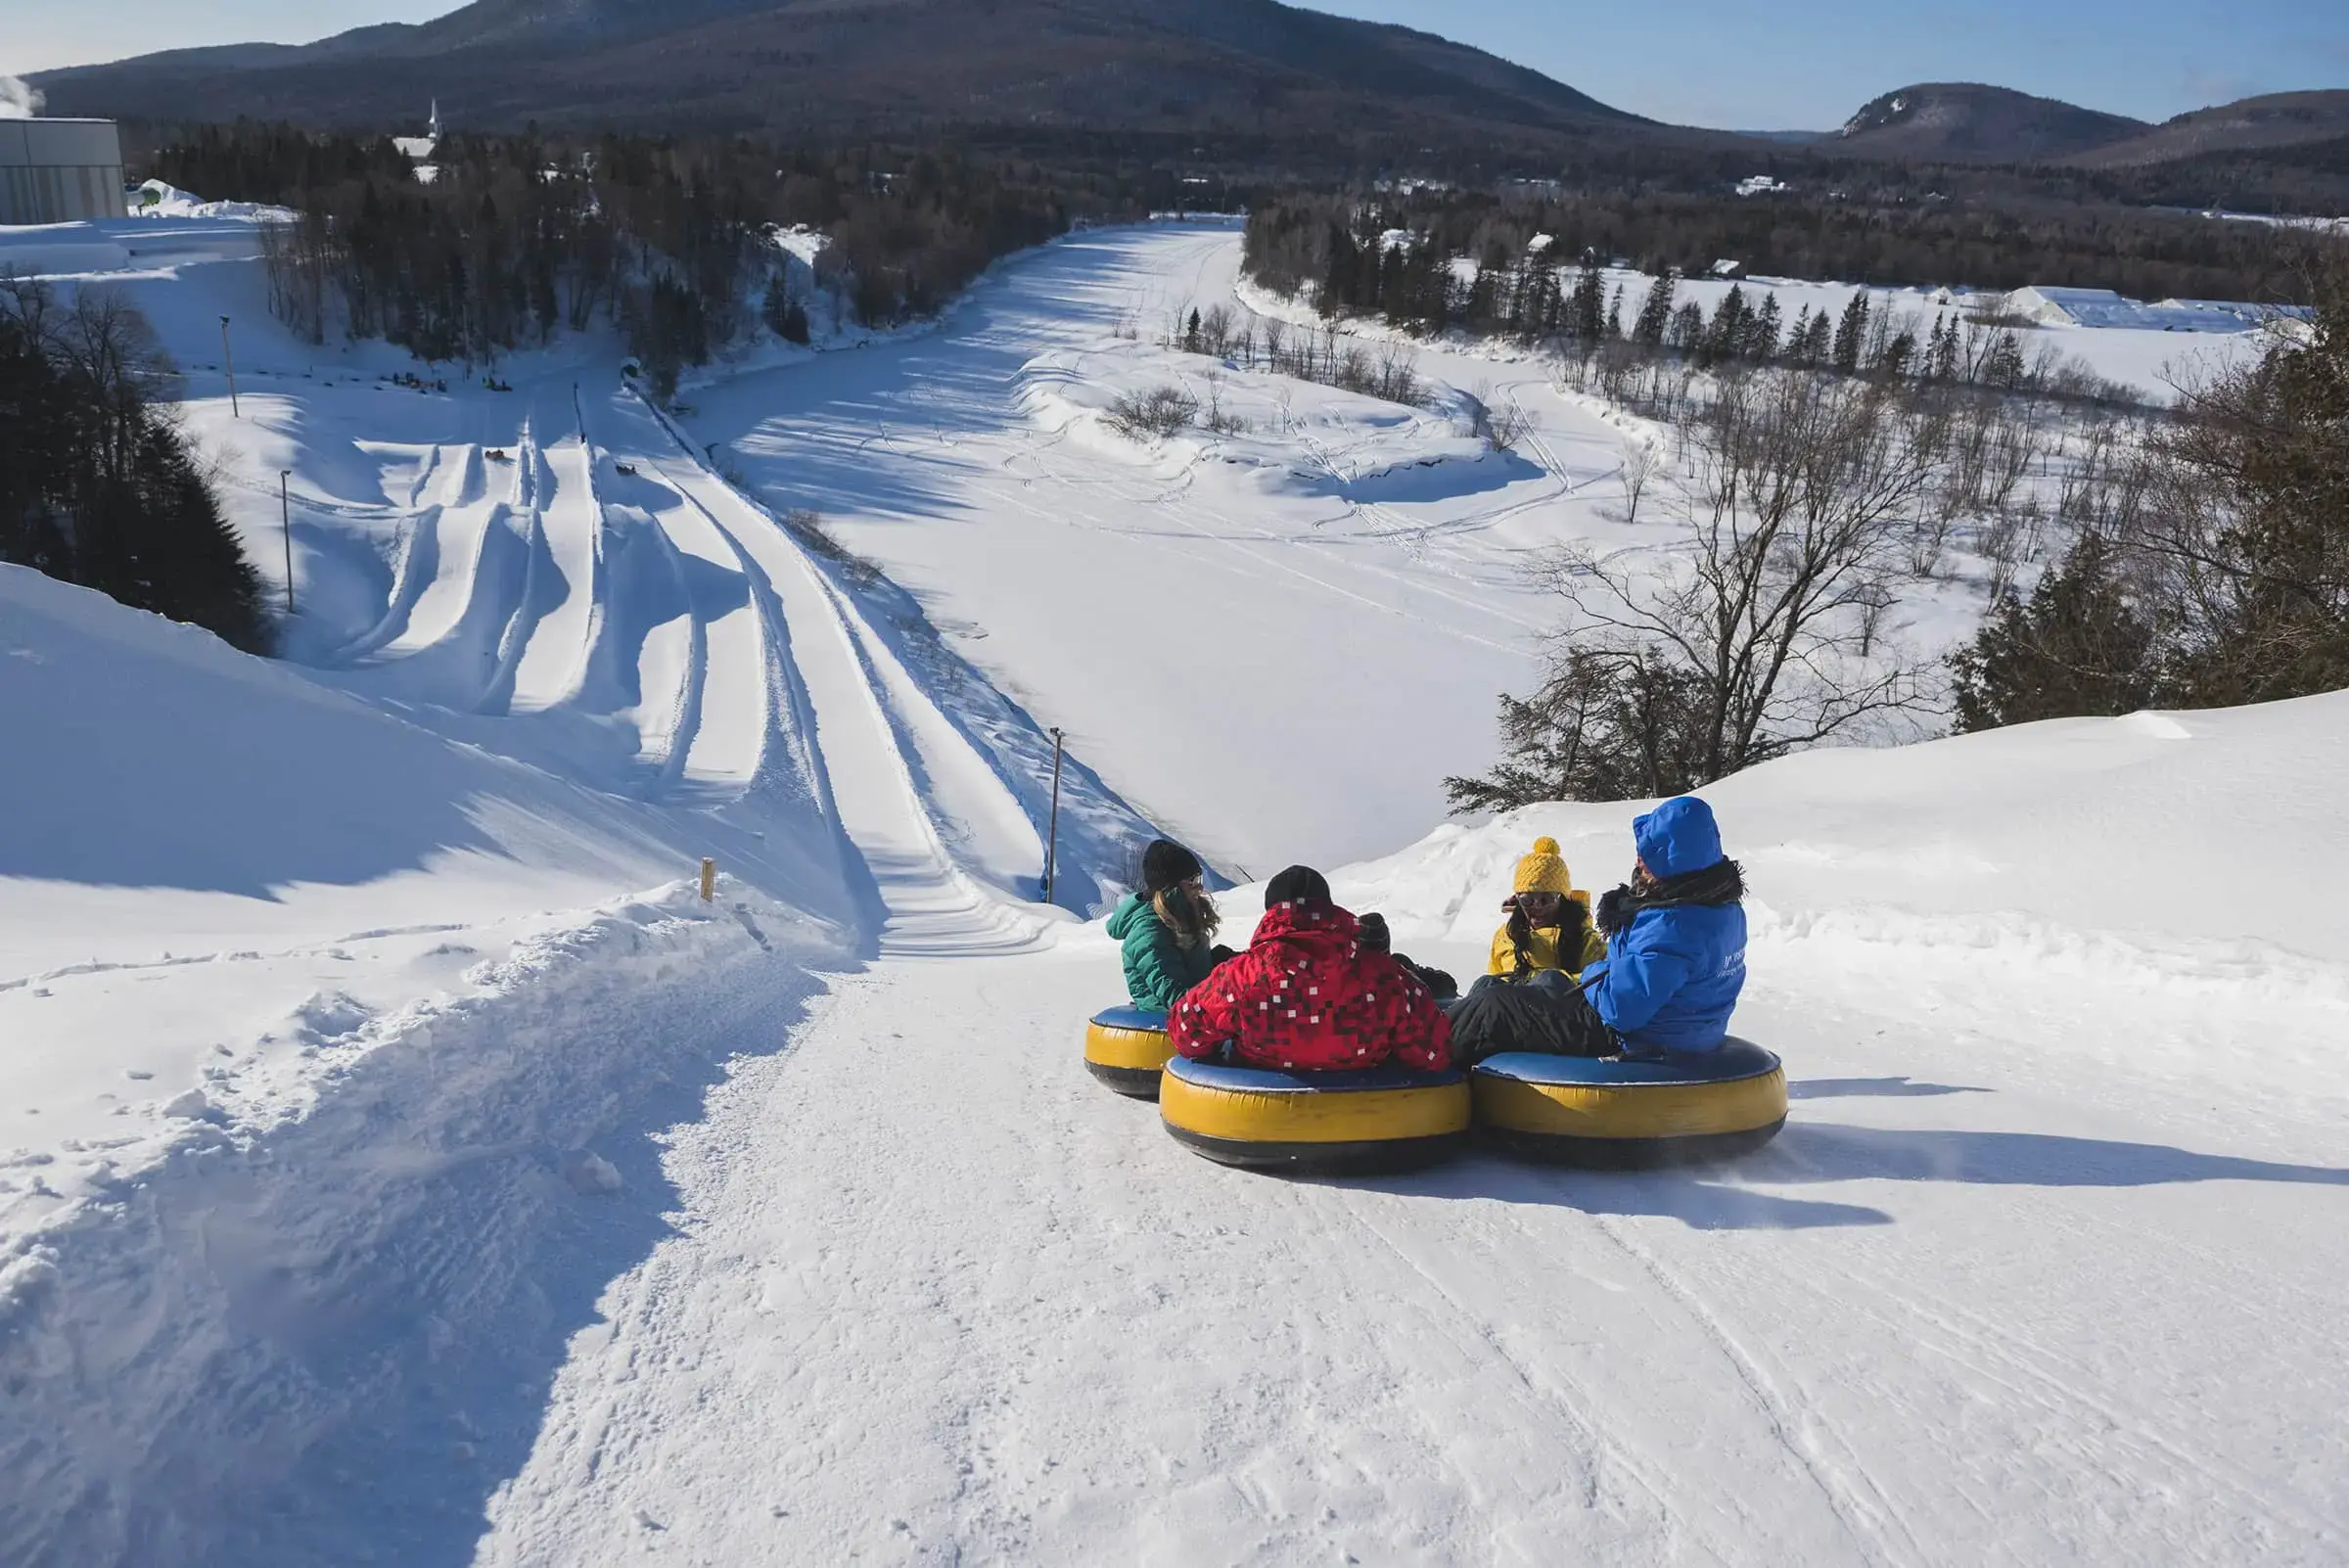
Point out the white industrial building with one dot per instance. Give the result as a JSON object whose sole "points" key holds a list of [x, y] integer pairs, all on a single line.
{"points": [[60, 170]]}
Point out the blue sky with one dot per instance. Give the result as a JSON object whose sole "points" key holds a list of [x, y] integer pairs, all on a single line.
{"points": [[1798, 65]]}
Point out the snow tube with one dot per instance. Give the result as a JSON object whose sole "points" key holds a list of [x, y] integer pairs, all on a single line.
{"points": [[1647, 1111], [1124, 1048], [1378, 1118]]}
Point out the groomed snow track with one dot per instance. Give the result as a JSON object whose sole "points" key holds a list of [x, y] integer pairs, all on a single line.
{"points": [[599, 583]]}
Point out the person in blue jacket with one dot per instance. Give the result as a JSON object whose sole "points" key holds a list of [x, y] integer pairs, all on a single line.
{"points": [[1675, 964]]}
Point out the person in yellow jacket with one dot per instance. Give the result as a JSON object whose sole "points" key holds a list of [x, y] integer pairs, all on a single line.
{"points": [[1549, 922]]}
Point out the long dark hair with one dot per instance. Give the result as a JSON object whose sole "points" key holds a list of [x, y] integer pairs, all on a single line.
{"points": [[1192, 917], [1574, 925]]}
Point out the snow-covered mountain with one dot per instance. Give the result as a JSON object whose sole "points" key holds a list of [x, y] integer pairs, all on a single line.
{"points": [[1971, 122]]}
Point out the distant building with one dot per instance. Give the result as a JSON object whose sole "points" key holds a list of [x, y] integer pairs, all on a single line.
{"points": [[1725, 268], [2046, 306], [1762, 185], [60, 170]]}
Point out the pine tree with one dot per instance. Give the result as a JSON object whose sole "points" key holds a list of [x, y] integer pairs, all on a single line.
{"points": [[1615, 316], [1727, 331], [1587, 311], [1761, 341], [1798, 339], [1688, 331], [1851, 335], [1943, 356], [2078, 647], [1655, 311]]}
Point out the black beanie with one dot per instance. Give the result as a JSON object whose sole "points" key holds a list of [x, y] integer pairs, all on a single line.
{"points": [[1298, 882], [1167, 864]]}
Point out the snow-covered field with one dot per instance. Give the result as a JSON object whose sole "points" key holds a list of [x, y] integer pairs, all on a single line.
{"points": [[404, 1164]]}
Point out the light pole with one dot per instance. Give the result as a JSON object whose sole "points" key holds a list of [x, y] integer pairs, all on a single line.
{"points": [[285, 507], [1053, 834], [234, 412]]}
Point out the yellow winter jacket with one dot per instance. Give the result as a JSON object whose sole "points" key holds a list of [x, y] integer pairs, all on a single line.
{"points": [[1541, 953]]}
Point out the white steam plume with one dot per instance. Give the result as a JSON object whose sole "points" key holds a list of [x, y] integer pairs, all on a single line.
{"points": [[18, 101]]}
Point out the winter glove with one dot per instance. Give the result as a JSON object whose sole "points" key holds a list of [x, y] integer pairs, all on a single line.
{"points": [[1614, 913]]}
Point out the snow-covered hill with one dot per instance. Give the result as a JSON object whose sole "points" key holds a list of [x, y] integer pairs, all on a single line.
{"points": [[405, 1164], [2042, 1267]]}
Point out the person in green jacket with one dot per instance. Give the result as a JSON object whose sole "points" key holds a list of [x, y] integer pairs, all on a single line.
{"points": [[1165, 929]]}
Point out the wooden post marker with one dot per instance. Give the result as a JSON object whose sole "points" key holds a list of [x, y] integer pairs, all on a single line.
{"points": [[708, 879]]}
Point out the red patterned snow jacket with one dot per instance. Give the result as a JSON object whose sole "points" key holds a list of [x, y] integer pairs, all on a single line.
{"points": [[1305, 994]]}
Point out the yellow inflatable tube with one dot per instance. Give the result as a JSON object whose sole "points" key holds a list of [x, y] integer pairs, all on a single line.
{"points": [[1380, 1117], [1124, 1048], [1633, 1112]]}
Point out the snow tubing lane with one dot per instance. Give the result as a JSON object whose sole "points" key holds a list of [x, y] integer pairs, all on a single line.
{"points": [[1677, 1109], [1126, 1048], [1379, 1118]]}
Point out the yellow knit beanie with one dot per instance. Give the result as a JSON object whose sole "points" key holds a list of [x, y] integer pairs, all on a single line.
{"points": [[1544, 870]]}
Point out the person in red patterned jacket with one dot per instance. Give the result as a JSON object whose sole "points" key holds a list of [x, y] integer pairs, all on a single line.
{"points": [[1309, 995]]}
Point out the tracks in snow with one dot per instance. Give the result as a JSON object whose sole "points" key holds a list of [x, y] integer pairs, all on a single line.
{"points": [[661, 625]]}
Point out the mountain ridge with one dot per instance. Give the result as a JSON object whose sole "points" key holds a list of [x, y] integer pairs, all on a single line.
{"points": [[861, 65]]}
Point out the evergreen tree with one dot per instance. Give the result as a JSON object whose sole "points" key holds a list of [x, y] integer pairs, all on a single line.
{"points": [[785, 316], [2076, 646], [1762, 342], [1688, 331], [1851, 335], [1726, 335], [98, 489], [1898, 357], [1942, 356], [1586, 311], [1655, 311]]}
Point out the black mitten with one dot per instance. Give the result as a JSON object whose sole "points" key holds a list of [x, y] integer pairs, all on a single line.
{"points": [[1614, 913]]}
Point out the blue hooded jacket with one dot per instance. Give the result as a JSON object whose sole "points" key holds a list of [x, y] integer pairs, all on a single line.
{"points": [[1670, 982]]}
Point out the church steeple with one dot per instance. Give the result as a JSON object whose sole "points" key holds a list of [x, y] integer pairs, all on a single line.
{"points": [[433, 126]]}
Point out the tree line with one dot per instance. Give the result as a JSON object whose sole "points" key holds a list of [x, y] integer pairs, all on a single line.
{"points": [[1391, 253], [2203, 560], [98, 486], [2216, 571], [514, 239]]}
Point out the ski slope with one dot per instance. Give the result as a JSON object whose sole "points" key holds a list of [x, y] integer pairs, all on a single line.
{"points": [[408, 1166]]}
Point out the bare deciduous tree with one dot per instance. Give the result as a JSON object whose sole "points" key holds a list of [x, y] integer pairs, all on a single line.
{"points": [[1800, 496]]}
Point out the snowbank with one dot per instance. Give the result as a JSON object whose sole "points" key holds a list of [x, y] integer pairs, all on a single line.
{"points": [[2158, 866], [158, 198], [374, 1275], [304, 1081]]}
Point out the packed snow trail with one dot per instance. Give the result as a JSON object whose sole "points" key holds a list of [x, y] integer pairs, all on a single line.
{"points": [[944, 1299], [424, 1243]]}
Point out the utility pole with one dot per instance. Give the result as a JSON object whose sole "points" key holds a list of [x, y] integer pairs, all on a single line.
{"points": [[285, 507], [230, 359], [1052, 835]]}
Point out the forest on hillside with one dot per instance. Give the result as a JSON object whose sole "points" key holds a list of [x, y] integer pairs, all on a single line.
{"points": [[515, 239], [1299, 239]]}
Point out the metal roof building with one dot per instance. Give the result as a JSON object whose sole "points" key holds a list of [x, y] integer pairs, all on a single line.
{"points": [[60, 170]]}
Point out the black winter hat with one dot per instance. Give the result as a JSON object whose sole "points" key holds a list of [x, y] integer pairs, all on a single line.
{"points": [[1167, 864], [1296, 883], [1372, 933]]}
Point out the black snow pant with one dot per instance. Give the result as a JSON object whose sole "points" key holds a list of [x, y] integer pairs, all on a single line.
{"points": [[1547, 1014]]}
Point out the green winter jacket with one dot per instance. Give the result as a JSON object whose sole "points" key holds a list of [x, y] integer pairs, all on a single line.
{"points": [[1158, 968]]}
